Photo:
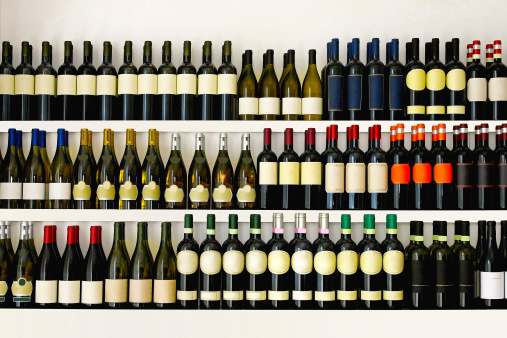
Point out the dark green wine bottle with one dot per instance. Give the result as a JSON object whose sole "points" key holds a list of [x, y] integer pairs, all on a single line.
{"points": [[87, 87], [107, 85], [175, 177], [24, 266], [370, 263], [166, 87], [45, 88], [127, 85], [61, 176], [164, 283], [35, 176], [187, 263], [141, 270], [130, 175], [11, 186], [464, 262], [5, 271], [118, 270], [24, 85], [7, 75], [324, 264], [248, 102], [233, 274], [256, 265], [152, 172], [223, 177], [441, 257], [147, 86], [206, 85], [227, 89], [66, 85], [186, 86], [210, 267]]}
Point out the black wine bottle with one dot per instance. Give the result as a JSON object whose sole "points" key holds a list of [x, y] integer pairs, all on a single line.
{"points": [[333, 169], [186, 86], [377, 169], [289, 174], [443, 269], [147, 83], [395, 82], [375, 85], [45, 88], [324, 264], [496, 75], [455, 83], [441, 186], [95, 271], [491, 273], [7, 75], [166, 85], [485, 171], [49, 271], [354, 71], [206, 85], [415, 85], [107, 85], [24, 86], [419, 161], [477, 88], [435, 84], [69, 286], [302, 266], [66, 86], [256, 265], [355, 180], [399, 172], [347, 264], [417, 267], [334, 85], [370, 264], [311, 174], [393, 264], [233, 274], [268, 189], [127, 85], [226, 86], [464, 260], [87, 87], [210, 267], [187, 263]]}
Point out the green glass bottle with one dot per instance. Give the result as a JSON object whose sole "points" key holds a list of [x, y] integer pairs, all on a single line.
{"points": [[11, 186], [417, 267], [118, 270], [130, 175], [152, 172], [141, 270], [457, 237], [291, 90], [8, 241], [164, 283], [107, 173], [223, 177], [210, 264], [84, 178], [199, 177], [464, 261], [90, 148], [245, 183], [269, 98], [47, 165], [35, 176], [233, 273], [370, 264], [31, 242], [311, 104], [187, 263], [5, 271], [175, 177], [61, 176], [23, 280], [248, 103], [441, 258]]}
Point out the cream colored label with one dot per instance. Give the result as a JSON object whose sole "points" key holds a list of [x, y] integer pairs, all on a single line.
{"points": [[346, 295], [497, 89], [140, 290], [455, 109], [11, 191], [256, 262], [325, 295], [164, 291], [207, 84], [4, 288], [45, 84], [278, 295], [324, 263], [248, 106], [107, 85], [355, 177], [377, 177], [234, 262], [22, 288], [227, 84], [24, 84], [210, 295], [268, 173], [456, 79], [167, 84], [435, 110], [186, 84], [187, 262], [91, 292], [210, 262], [69, 291], [147, 84], [289, 173], [59, 191], [371, 295], [477, 90], [6, 84], [127, 84], [81, 191], [393, 262], [199, 194], [302, 295], [435, 79], [347, 262], [311, 173], [106, 191], [371, 262], [151, 191], [128, 191], [416, 110], [311, 106], [34, 191], [302, 262], [278, 262], [291, 106], [269, 106], [255, 295], [233, 295], [186, 295], [116, 290], [392, 295], [86, 85], [46, 291], [222, 194], [416, 79], [246, 194], [335, 177], [174, 194]]}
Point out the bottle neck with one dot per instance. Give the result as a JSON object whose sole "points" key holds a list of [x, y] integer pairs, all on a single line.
{"points": [[333, 143], [142, 234], [354, 143]]}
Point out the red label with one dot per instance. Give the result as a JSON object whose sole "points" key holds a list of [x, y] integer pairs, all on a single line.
{"points": [[400, 173], [421, 173], [442, 173]]}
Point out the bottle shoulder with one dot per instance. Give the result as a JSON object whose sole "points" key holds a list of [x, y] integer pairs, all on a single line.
{"points": [[232, 244], [227, 68], [167, 68], [86, 69], [147, 68], [67, 69], [106, 69], [267, 156], [127, 68], [210, 244], [207, 68]]}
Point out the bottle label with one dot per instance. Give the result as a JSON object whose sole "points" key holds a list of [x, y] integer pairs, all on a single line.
{"points": [[207, 84], [164, 291], [324, 263], [502, 175], [355, 177], [222, 194], [210, 295], [69, 291], [127, 84], [187, 262], [392, 295], [82, 191], [416, 80], [256, 262], [186, 84], [248, 106], [45, 85], [477, 90], [151, 191], [3, 290], [34, 191], [291, 106], [66, 85], [419, 275], [210, 262], [11, 191], [106, 191], [21, 290], [302, 262], [325, 296], [24, 84], [199, 194], [140, 290], [311, 173], [455, 109], [128, 191], [268, 173], [393, 262], [335, 178], [6, 84], [400, 173], [442, 173], [186, 295], [166, 84], [269, 106], [464, 175], [147, 84], [255, 295], [497, 89], [278, 262], [485, 175], [492, 285], [370, 262], [289, 173], [411, 110], [107, 85], [435, 80], [278, 295], [233, 295], [311, 106], [234, 262], [421, 173], [346, 295], [86, 84], [465, 276], [435, 110], [456, 80], [371, 295], [376, 94], [443, 275], [91, 292], [347, 262], [301, 295], [396, 92], [354, 91], [174, 194], [227, 84], [116, 290], [377, 178], [47, 291], [335, 92], [59, 191], [246, 194]]}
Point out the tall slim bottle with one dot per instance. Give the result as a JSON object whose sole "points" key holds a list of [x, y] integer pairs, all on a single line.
{"points": [[227, 89], [393, 264], [256, 265], [24, 86], [206, 85], [291, 90], [11, 186], [118, 270], [496, 74], [95, 270], [354, 71], [245, 177], [491, 274], [107, 85], [66, 102], [166, 84], [34, 184], [130, 177], [127, 85], [335, 85], [355, 171], [175, 194], [289, 174], [223, 177], [45, 88], [420, 162], [333, 169], [375, 160], [267, 182], [60, 184], [311, 173], [435, 84], [399, 172], [375, 86], [199, 177], [415, 80], [477, 88], [443, 269], [485, 171], [417, 267], [147, 87], [210, 267], [152, 175], [302, 266], [106, 176], [324, 264], [23, 271], [69, 286], [164, 274], [84, 178], [347, 264], [186, 86], [19, 148], [248, 102], [233, 273], [465, 260], [87, 86], [141, 271], [187, 263], [5, 271], [370, 264], [49, 270], [455, 83], [311, 103], [269, 97], [7, 76]]}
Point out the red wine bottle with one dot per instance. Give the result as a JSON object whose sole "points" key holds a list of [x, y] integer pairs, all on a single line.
{"points": [[347, 263], [334, 85], [496, 74], [417, 266], [187, 263], [333, 185], [435, 84], [210, 267], [66, 86], [370, 263], [268, 189], [233, 272], [324, 264], [69, 287], [289, 174], [375, 86], [464, 260], [486, 175], [375, 160], [476, 86], [393, 262], [311, 173], [95, 266], [441, 186], [87, 86], [107, 85], [355, 180], [455, 83], [354, 84], [127, 85], [415, 80], [399, 173], [501, 163], [49, 270], [491, 272], [256, 265], [462, 160]]}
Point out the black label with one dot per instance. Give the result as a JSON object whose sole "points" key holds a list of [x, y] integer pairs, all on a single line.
{"points": [[443, 273], [464, 175], [419, 275], [502, 175], [485, 175]]}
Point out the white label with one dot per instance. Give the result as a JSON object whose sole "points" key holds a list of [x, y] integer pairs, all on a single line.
{"points": [[167, 84], [268, 173], [91, 292], [335, 178], [301, 295], [127, 84], [233, 295], [66, 85], [256, 295], [24, 84], [186, 84], [45, 84], [477, 90], [311, 173], [377, 177], [256, 262], [186, 295], [46, 291], [302, 262], [59, 191], [210, 295], [106, 85], [6, 84], [355, 177], [248, 106], [497, 89], [187, 262], [269, 106], [311, 106], [11, 191], [207, 84], [291, 106], [86, 85], [34, 191], [492, 285], [234, 262], [210, 262], [227, 84], [69, 291], [147, 84]]}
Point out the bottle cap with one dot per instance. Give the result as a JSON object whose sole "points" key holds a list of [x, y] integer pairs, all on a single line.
{"points": [[391, 221], [369, 221], [345, 220]]}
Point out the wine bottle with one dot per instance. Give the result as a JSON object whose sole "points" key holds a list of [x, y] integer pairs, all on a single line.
{"points": [[496, 74], [166, 85], [210, 267], [47, 166], [464, 261], [69, 286], [19, 148], [24, 86], [164, 275], [152, 171], [5, 271], [268, 189], [420, 162], [311, 173], [435, 84], [49, 272], [441, 257], [31, 242], [334, 84], [347, 264], [87, 86], [130, 178], [175, 177], [8, 242], [60, 176], [245, 177], [448, 52], [284, 72], [368, 52], [457, 238], [375, 159], [248, 102], [311, 103], [223, 177], [355, 179], [291, 90], [417, 267], [118, 270], [332, 188], [470, 52], [45, 88], [399, 173], [187, 263], [95, 271], [375, 85], [7, 75], [455, 82], [256, 263], [324, 264], [393, 262], [476, 86], [354, 71], [269, 98], [264, 60], [186, 85], [491, 274], [233, 274], [90, 149], [107, 173], [141, 270], [11, 186], [34, 176], [486, 175], [389, 55], [227, 89], [66, 102], [107, 85], [23, 271], [329, 50], [415, 79], [199, 177], [147, 87], [84, 180], [501, 162], [503, 245], [206, 85], [489, 55], [441, 186], [289, 174], [127, 85], [463, 196], [480, 249]]}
